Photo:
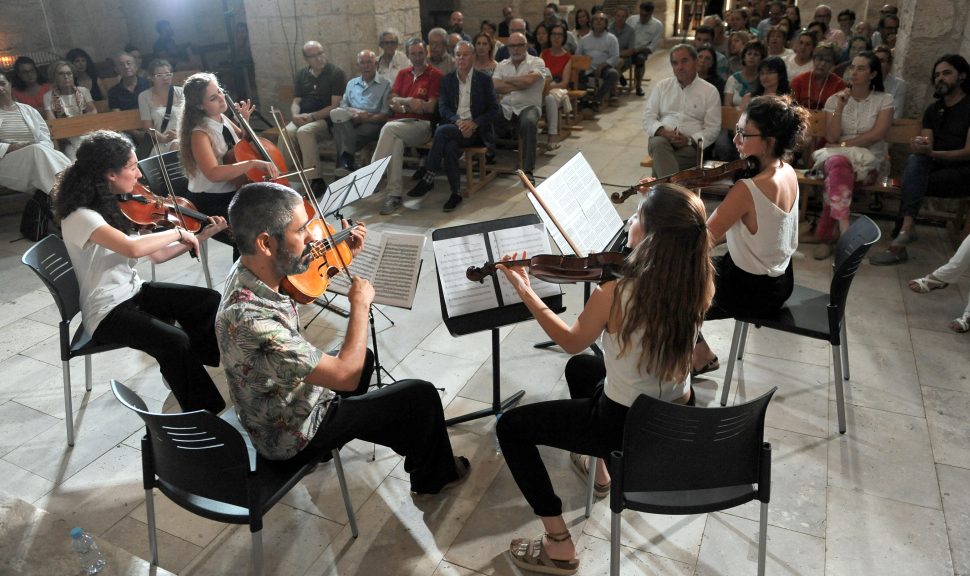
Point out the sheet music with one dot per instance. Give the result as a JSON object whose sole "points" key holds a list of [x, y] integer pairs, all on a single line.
{"points": [[574, 194], [532, 240], [391, 262], [453, 256]]}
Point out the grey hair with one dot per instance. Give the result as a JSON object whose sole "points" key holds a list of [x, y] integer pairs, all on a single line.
{"points": [[438, 32], [464, 43], [390, 31], [689, 47], [261, 207], [412, 42]]}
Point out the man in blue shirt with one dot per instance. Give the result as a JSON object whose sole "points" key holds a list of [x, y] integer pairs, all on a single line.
{"points": [[362, 112]]}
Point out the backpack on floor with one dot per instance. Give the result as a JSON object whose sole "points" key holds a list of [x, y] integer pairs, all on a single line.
{"points": [[38, 218]]}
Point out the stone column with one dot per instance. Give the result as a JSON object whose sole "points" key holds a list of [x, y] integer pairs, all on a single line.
{"points": [[927, 30]]}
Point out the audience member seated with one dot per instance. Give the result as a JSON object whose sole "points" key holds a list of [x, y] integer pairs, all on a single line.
{"points": [[680, 111], [363, 110], [801, 59], [894, 84], [28, 160], [794, 15], [738, 20], [505, 26], [776, 43], [67, 99], [945, 275], [296, 401], [707, 68], [772, 81], [87, 73], [625, 39], [124, 94], [520, 81], [559, 63], [438, 55], [551, 17], [648, 33], [776, 10], [744, 80], [846, 22], [540, 40], [484, 50], [160, 107], [704, 36], [813, 89], [940, 161], [136, 54], [467, 106], [582, 24], [518, 25], [317, 90], [857, 120], [604, 51], [715, 23], [392, 60], [646, 351], [736, 43], [414, 104], [823, 15], [857, 45], [758, 219], [489, 30], [29, 86], [888, 26], [456, 25]]}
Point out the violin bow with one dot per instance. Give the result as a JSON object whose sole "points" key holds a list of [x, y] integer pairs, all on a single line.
{"points": [[277, 116], [153, 135], [555, 221]]}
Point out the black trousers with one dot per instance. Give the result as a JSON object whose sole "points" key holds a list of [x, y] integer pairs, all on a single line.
{"points": [[739, 293], [144, 322], [406, 416], [216, 205], [588, 423]]}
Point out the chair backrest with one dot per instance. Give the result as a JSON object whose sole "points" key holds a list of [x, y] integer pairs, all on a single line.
{"points": [[673, 447], [195, 453], [48, 258], [849, 252], [579, 63], [152, 173]]}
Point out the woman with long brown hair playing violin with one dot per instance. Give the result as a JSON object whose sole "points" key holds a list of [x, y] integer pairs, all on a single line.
{"points": [[648, 320], [206, 135], [116, 305]]}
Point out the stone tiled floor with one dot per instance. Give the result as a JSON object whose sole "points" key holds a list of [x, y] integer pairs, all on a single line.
{"points": [[889, 497]]}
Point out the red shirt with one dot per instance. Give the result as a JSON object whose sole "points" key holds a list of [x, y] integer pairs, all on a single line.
{"points": [[556, 64], [812, 94], [424, 87]]}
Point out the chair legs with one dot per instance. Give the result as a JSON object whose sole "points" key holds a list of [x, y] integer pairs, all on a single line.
{"points": [[351, 518], [737, 351], [839, 391], [763, 539], [257, 553], [615, 544], [590, 481], [844, 339], [150, 512], [68, 408]]}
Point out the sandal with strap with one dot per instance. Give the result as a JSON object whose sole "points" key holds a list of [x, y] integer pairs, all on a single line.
{"points": [[531, 555], [961, 324], [581, 466], [709, 367], [926, 284]]}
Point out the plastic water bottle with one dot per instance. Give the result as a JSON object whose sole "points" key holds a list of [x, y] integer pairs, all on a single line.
{"points": [[498, 446], [87, 551]]}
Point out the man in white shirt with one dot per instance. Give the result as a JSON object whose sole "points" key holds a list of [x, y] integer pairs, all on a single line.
{"points": [[681, 112], [520, 81], [648, 32]]}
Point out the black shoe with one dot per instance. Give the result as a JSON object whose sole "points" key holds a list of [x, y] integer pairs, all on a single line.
{"points": [[419, 173], [421, 188], [345, 165], [490, 159], [639, 91], [452, 202], [622, 80]]}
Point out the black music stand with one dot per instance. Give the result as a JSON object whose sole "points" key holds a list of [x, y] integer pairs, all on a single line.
{"points": [[491, 319]]}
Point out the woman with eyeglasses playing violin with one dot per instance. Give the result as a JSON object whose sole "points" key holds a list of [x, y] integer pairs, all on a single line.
{"points": [[161, 106], [117, 307]]}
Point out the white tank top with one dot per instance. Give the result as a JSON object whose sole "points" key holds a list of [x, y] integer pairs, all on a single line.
{"points": [[625, 380], [767, 252], [198, 182]]}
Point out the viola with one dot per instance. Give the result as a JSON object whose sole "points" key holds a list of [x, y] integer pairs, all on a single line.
{"points": [[144, 208], [329, 256], [253, 147], [694, 177], [597, 267]]}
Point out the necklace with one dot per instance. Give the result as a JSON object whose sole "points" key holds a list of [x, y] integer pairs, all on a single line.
{"points": [[821, 91]]}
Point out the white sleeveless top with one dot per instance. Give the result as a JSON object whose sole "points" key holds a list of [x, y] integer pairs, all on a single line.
{"points": [[625, 380], [768, 252], [198, 182]]}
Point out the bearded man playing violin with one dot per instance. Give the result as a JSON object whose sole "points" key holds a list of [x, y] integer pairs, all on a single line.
{"points": [[294, 400], [117, 307]]}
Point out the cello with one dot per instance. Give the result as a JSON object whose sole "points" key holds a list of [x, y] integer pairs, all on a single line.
{"points": [[253, 147]]}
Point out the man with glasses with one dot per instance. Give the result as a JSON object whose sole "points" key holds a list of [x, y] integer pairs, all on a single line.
{"points": [[362, 113], [647, 32], [681, 112], [823, 14], [888, 25], [124, 94], [392, 60], [775, 11], [438, 51], [604, 51], [518, 26], [414, 100], [317, 90], [520, 81], [847, 21], [812, 89]]}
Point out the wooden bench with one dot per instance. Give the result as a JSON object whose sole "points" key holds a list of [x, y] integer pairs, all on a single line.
{"points": [[79, 125]]}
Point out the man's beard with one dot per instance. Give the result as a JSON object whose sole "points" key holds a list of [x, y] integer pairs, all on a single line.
{"points": [[291, 265], [943, 89]]}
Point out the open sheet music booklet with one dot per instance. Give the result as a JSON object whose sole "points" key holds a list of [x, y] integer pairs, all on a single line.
{"points": [[574, 194], [391, 262], [454, 255]]}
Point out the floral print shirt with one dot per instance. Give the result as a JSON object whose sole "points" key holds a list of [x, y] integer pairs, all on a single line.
{"points": [[266, 361]]}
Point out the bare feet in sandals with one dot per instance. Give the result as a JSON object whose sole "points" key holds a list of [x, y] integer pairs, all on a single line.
{"points": [[546, 554], [961, 324], [926, 284]]}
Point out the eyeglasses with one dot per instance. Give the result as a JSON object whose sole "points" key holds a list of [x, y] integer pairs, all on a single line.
{"points": [[739, 133], [164, 75], [311, 56], [516, 45], [389, 42], [823, 59]]}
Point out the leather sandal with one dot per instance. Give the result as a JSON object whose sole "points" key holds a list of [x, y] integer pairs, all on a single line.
{"points": [[709, 367], [961, 324], [926, 284], [581, 466], [531, 555]]}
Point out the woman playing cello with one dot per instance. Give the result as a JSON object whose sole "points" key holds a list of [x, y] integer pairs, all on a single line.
{"points": [[116, 305], [206, 136]]}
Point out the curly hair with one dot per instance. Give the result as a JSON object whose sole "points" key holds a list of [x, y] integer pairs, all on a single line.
{"points": [[670, 279], [781, 118], [192, 116], [85, 184]]}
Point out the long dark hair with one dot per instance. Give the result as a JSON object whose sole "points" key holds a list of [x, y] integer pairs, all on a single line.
{"points": [[671, 279], [16, 80], [85, 185], [959, 63], [91, 70], [876, 66], [775, 64]]}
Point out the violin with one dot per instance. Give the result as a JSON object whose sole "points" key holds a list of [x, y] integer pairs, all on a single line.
{"points": [[694, 177], [329, 258], [597, 267], [144, 208], [253, 147]]}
